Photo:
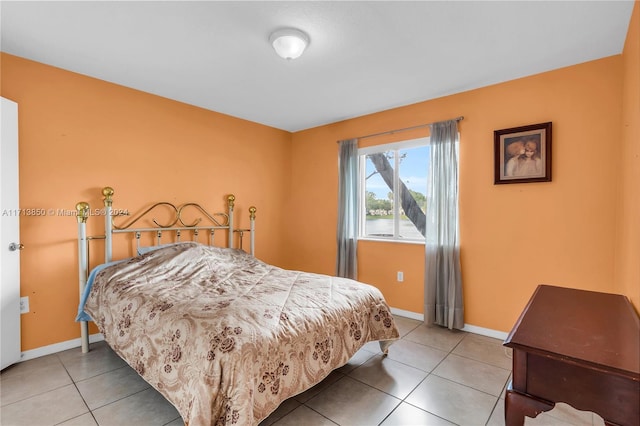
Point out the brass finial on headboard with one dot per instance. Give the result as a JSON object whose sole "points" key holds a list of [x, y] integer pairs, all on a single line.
{"points": [[252, 212], [231, 199], [107, 191], [83, 211]]}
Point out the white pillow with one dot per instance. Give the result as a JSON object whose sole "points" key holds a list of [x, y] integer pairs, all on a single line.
{"points": [[143, 250]]}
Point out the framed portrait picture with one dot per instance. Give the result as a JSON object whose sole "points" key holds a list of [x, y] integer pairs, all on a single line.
{"points": [[523, 154]]}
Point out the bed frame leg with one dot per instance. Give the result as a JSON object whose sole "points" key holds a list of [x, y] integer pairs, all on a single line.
{"points": [[384, 346], [84, 336], [83, 265]]}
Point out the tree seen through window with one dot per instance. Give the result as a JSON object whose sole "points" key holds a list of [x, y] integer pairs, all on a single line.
{"points": [[387, 172]]}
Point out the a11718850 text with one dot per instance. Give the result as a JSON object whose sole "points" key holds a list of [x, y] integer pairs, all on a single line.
{"points": [[36, 212]]}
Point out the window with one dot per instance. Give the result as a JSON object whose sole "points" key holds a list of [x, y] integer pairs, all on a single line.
{"points": [[392, 190]]}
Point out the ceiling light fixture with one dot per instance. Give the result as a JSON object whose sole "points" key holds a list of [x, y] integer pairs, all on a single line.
{"points": [[289, 43]]}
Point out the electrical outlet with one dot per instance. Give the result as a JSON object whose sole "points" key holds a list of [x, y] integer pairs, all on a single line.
{"points": [[24, 305], [400, 276]]}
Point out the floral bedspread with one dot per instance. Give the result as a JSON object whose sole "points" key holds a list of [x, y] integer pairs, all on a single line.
{"points": [[225, 337]]}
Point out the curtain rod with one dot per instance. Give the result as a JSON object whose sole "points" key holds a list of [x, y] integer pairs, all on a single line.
{"points": [[404, 129]]}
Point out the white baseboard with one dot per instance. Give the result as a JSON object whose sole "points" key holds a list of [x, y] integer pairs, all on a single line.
{"points": [[485, 331], [467, 327], [76, 343], [58, 347], [407, 314]]}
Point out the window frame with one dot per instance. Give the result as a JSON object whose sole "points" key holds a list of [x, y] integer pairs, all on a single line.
{"points": [[362, 153]]}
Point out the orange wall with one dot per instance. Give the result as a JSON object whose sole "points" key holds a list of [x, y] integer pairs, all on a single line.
{"points": [[513, 237], [627, 276], [79, 134]]}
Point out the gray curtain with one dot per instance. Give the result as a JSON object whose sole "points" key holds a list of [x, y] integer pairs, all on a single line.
{"points": [[346, 263], [443, 281]]}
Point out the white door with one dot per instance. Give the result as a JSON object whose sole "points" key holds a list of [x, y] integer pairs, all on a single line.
{"points": [[9, 234]]}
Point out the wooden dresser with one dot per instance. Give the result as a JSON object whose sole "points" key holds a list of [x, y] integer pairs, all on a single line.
{"points": [[578, 347]]}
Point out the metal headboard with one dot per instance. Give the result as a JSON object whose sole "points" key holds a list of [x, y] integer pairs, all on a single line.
{"points": [[176, 225]]}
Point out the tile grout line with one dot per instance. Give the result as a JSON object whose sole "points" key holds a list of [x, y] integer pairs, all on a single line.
{"points": [[91, 411], [402, 400], [430, 373], [77, 390]]}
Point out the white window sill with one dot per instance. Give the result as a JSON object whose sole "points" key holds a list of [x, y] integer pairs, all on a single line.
{"points": [[390, 240]]}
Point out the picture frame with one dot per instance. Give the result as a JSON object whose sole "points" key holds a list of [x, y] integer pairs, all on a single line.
{"points": [[522, 154]]}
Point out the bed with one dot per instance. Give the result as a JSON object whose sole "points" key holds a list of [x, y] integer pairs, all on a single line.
{"points": [[222, 335]]}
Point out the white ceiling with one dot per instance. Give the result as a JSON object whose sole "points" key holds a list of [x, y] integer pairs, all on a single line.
{"points": [[364, 57]]}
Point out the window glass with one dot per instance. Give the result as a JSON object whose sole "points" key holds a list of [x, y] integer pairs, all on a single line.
{"points": [[393, 185]]}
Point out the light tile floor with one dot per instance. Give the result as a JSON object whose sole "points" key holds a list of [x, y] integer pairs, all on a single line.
{"points": [[432, 376]]}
